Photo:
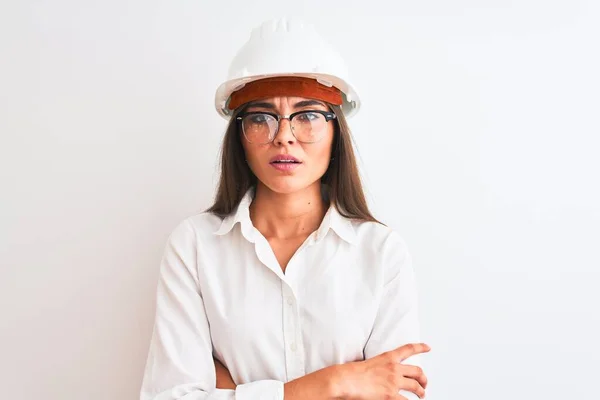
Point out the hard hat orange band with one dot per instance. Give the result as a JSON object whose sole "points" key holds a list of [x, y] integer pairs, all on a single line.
{"points": [[285, 86]]}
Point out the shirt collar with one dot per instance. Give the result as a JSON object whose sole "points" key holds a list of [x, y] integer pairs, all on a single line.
{"points": [[241, 215], [341, 225]]}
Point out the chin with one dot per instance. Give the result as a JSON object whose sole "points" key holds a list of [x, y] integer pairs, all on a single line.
{"points": [[286, 185]]}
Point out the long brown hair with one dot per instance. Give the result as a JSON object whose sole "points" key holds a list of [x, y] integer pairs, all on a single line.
{"points": [[342, 177]]}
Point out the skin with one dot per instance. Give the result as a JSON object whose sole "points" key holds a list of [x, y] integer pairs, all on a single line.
{"points": [[286, 209]]}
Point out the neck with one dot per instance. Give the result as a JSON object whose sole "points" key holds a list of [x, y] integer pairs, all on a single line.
{"points": [[287, 215]]}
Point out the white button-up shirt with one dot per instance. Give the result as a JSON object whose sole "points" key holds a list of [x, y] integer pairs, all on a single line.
{"points": [[347, 294]]}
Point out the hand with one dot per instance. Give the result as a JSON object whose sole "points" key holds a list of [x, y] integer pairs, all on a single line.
{"points": [[224, 379], [382, 377]]}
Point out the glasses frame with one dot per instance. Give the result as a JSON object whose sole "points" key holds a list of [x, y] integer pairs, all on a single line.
{"points": [[327, 114]]}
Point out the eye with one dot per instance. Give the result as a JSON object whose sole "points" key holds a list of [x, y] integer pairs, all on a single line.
{"points": [[259, 118], [308, 116]]}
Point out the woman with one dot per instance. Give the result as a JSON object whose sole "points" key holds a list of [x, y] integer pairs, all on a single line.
{"points": [[287, 287]]}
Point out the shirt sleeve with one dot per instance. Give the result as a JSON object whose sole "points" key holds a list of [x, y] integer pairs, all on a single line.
{"points": [[180, 364], [397, 321]]}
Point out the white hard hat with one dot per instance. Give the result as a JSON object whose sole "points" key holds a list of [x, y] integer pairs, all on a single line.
{"points": [[287, 47]]}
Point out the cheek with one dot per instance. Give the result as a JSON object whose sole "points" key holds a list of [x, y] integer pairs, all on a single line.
{"points": [[323, 156], [252, 151], [320, 153], [256, 154]]}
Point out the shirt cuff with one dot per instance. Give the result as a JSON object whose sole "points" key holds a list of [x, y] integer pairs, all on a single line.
{"points": [[260, 390]]}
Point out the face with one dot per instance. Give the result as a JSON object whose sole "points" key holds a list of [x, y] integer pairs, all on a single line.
{"points": [[267, 161]]}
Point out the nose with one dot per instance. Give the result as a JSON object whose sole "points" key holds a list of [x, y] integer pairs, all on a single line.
{"points": [[284, 134]]}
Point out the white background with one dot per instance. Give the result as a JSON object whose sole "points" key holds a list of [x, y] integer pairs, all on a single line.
{"points": [[478, 140]]}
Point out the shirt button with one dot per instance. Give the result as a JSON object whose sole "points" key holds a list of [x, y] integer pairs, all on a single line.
{"points": [[293, 347], [290, 301]]}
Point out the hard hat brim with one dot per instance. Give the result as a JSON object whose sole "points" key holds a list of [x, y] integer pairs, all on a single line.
{"points": [[350, 105]]}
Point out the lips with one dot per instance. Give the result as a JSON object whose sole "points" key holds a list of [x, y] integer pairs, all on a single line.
{"points": [[284, 159], [285, 163]]}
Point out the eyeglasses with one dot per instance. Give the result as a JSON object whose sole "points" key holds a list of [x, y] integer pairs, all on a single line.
{"points": [[307, 126]]}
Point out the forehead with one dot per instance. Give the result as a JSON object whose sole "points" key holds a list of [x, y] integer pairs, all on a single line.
{"points": [[288, 101]]}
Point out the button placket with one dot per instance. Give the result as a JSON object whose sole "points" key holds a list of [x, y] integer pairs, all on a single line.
{"points": [[294, 353]]}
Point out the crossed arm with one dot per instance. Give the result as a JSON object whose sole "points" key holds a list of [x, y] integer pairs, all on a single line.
{"points": [[382, 376]]}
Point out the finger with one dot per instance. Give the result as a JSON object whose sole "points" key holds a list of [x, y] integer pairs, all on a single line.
{"points": [[396, 396], [403, 352], [223, 377], [414, 372], [218, 363], [412, 385]]}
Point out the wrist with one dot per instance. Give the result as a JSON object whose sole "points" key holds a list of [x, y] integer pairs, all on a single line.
{"points": [[338, 389]]}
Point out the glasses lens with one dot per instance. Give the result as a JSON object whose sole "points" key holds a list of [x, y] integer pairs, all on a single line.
{"points": [[308, 126], [259, 128]]}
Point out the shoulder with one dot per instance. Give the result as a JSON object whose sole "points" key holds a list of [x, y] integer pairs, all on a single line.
{"points": [[385, 247], [198, 226], [378, 236], [205, 222]]}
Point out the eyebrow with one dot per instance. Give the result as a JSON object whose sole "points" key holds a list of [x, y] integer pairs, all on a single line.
{"points": [[303, 103], [306, 103], [262, 105]]}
